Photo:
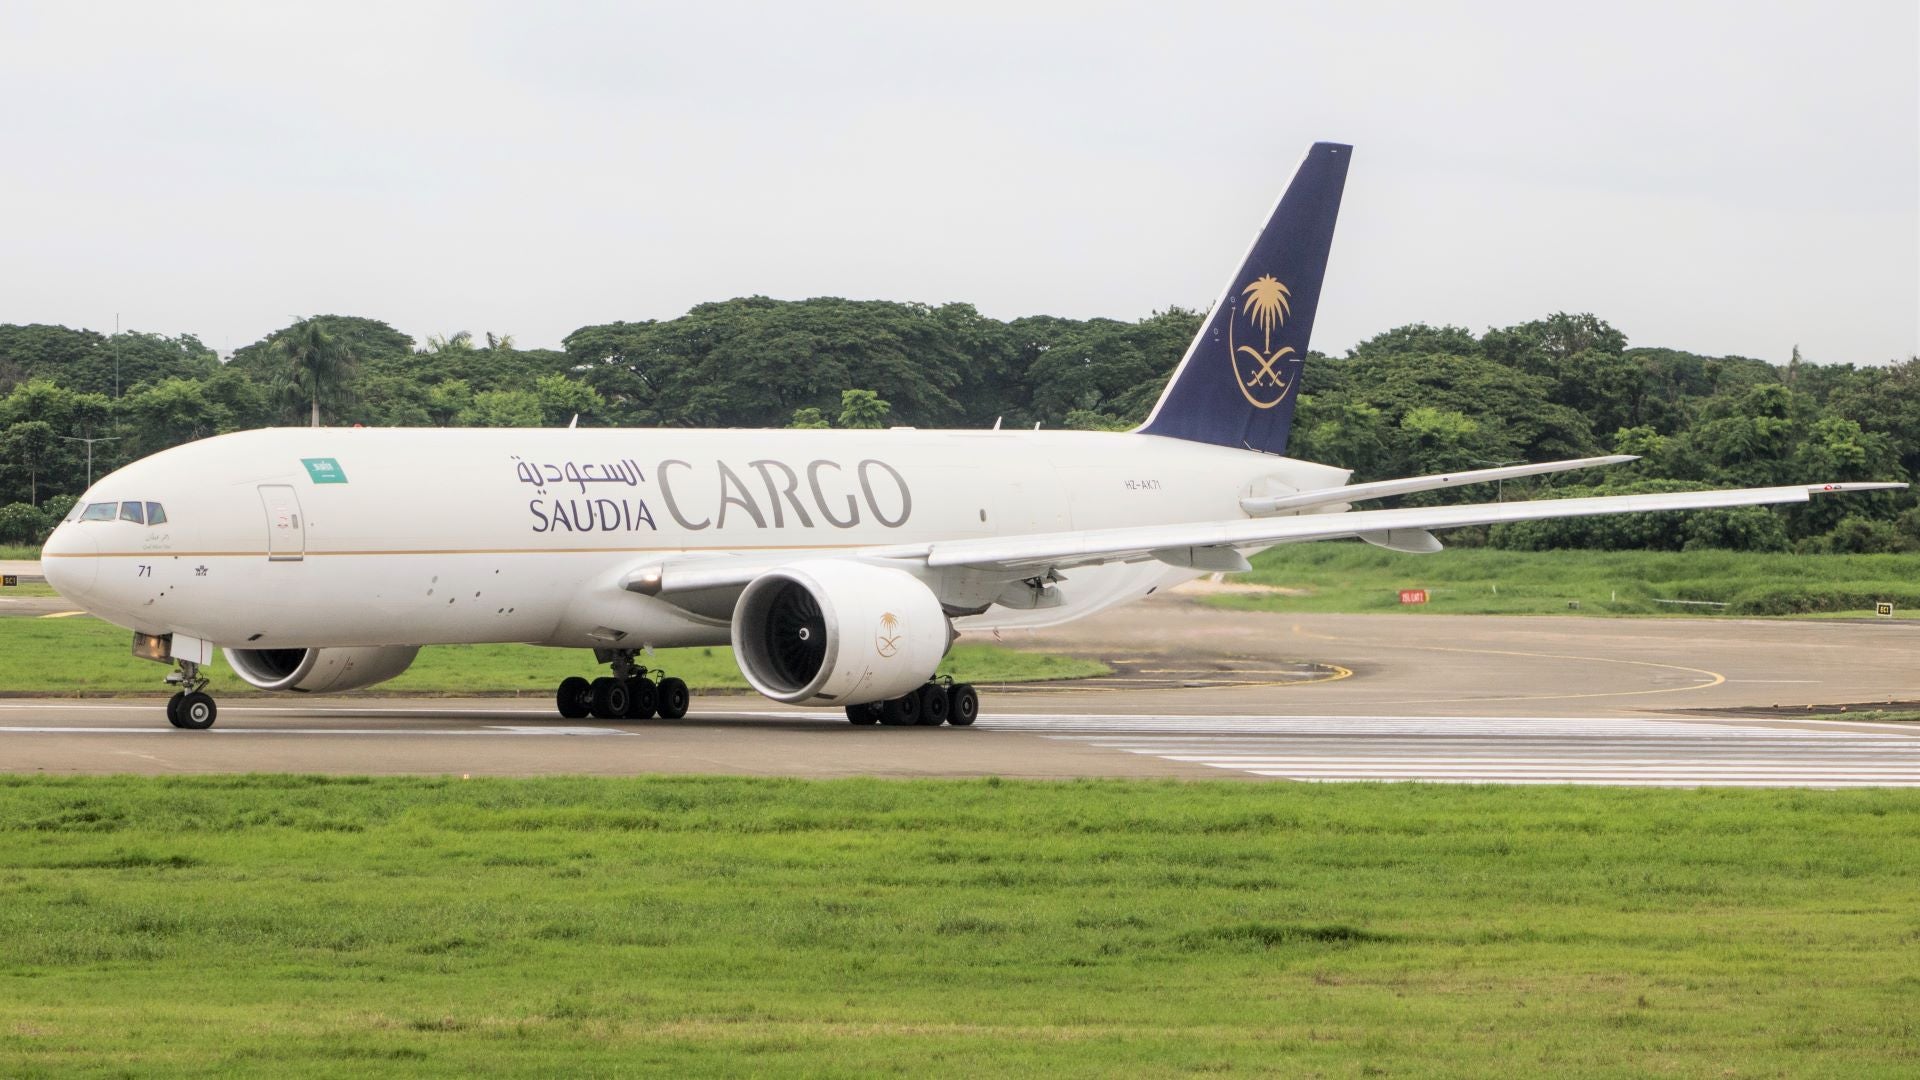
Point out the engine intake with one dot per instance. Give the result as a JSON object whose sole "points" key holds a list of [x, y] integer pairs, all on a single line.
{"points": [[320, 671], [824, 632]]}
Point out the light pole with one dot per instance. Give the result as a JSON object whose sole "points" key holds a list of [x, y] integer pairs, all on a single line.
{"points": [[1499, 486], [90, 442]]}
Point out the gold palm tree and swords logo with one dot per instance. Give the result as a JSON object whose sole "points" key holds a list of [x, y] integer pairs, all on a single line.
{"points": [[1258, 370], [886, 640]]}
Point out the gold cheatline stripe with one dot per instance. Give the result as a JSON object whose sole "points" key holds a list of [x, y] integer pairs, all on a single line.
{"points": [[451, 551]]}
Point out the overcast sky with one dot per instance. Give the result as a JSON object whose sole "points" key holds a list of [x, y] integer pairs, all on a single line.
{"points": [[1719, 177]]}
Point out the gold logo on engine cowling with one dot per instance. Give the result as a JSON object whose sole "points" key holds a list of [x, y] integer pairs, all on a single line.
{"points": [[1259, 371], [886, 641]]}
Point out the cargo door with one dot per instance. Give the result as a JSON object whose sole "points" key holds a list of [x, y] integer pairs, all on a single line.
{"points": [[286, 533]]}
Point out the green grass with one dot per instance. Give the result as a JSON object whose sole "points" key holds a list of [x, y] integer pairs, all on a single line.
{"points": [[20, 552], [294, 926], [1355, 577], [28, 588], [1886, 716], [95, 656]]}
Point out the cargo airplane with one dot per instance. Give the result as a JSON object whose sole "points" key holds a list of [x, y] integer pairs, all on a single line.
{"points": [[840, 565]]}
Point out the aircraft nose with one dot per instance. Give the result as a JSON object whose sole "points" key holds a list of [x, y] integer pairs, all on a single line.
{"points": [[68, 561]]}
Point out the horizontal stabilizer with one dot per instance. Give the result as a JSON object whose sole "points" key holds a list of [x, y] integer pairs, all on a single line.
{"points": [[1380, 489]]}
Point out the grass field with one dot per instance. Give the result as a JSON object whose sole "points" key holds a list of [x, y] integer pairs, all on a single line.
{"points": [[95, 656], [297, 926], [14, 552], [1349, 577]]}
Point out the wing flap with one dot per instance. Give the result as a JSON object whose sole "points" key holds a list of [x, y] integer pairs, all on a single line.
{"points": [[1411, 541]]}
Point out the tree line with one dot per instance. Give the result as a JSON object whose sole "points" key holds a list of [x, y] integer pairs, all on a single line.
{"points": [[1411, 400]]}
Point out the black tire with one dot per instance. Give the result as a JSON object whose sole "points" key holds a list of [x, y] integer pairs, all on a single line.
{"points": [[864, 715], [902, 711], [173, 708], [963, 705], [575, 697], [643, 699], [673, 699], [609, 701], [196, 712], [933, 705]]}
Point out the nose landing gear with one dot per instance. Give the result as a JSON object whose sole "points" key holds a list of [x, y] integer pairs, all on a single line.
{"points": [[192, 707]]}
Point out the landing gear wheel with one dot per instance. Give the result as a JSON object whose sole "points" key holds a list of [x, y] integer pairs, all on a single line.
{"points": [[196, 712], [643, 698], [673, 699], [901, 711], [933, 704], [865, 715], [575, 697], [173, 708], [609, 700], [963, 705]]}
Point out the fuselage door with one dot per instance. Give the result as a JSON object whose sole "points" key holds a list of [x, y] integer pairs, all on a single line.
{"points": [[286, 533]]}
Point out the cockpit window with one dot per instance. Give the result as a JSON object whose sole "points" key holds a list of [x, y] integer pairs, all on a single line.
{"points": [[156, 514], [134, 512], [100, 512]]}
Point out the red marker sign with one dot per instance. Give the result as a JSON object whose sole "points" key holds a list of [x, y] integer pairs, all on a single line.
{"points": [[1413, 596]]}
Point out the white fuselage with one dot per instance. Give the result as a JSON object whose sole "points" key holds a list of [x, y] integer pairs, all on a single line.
{"points": [[299, 537]]}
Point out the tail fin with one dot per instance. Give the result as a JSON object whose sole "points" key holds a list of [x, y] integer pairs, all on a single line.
{"points": [[1237, 383]]}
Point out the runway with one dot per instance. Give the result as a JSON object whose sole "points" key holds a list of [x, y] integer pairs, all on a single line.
{"points": [[1200, 693], [1509, 750], [506, 738]]}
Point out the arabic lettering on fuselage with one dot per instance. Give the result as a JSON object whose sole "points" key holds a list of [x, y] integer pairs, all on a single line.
{"points": [[600, 513], [540, 474], [821, 494]]}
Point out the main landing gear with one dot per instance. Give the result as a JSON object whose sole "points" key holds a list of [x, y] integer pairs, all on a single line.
{"points": [[192, 707], [630, 693], [938, 702]]}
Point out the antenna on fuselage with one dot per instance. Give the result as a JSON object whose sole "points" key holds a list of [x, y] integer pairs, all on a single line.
{"points": [[573, 423]]}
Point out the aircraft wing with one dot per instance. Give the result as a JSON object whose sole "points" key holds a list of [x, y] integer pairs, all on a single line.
{"points": [[1060, 550], [1203, 545]]}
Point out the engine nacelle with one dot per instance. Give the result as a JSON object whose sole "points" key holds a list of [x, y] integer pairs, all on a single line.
{"points": [[824, 632], [320, 671]]}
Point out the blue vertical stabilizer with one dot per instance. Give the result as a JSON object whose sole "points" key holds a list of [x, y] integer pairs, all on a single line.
{"points": [[1237, 384]]}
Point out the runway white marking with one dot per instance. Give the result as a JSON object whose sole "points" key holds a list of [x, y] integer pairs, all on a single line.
{"points": [[1503, 750]]}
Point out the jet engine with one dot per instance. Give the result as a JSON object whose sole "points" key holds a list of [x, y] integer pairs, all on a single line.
{"points": [[824, 632], [320, 671]]}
